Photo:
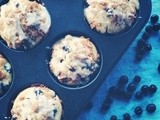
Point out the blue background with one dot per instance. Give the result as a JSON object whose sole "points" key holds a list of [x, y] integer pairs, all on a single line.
{"points": [[147, 69]]}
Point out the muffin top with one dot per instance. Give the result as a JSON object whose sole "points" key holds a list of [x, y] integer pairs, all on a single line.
{"points": [[74, 59], [111, 16], [5, 69], [23, 23], [37, 103]]}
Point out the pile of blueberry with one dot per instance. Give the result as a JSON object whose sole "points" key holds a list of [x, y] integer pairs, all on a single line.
{"points": [[121, 91], [125, 92], [143, 47]]}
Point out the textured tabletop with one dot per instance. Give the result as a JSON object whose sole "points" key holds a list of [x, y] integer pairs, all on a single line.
{"points": [[147, 69]]}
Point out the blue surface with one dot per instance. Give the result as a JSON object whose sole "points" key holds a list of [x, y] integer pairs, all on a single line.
{"points": [[147, 69]]}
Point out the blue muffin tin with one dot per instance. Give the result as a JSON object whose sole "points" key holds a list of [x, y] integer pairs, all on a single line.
{"points": [[31, 66]]}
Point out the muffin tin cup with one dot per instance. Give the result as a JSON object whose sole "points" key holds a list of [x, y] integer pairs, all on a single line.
{"points": [[121, 33], [5, 89], [31, 67], [2, 2], [92, 77], [9, 116]]}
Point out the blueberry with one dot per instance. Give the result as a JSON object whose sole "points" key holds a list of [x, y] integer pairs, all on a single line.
{"points": [[89, 106], [54, 112], [17, 5], [159, 68], [137, 79], [38, 92], [65, 48], [112, 91], [151, 108], [138, 110], [139, 57], [153, 88], [145, 89], [145, 36], [120, 92], [140, 43], [126, 116], [123, 80], [25, 44], [105, 107], [128, 95], [108, 100], [139, 95], [113, 117], [148, 47], [149, 29], [156, 27], [131, 87], [72, 69], [154, 18]]}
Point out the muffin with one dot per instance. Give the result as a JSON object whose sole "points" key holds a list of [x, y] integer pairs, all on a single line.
{"points": [[5, 73], [37, 103], [111, 16], [23, 23], [74, 60]]}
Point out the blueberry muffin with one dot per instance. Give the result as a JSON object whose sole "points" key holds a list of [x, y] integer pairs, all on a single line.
{"points": [[37, 103], [23, 23], [73, 60], [5, 72], [111, 16]]}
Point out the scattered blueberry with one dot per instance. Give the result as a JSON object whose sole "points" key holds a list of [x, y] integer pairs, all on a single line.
{"points": [[145, 36], [139, 57], [128, 96], [126, 116], [89, 106], [149, 29], [112, 91], [113, 117], [151, 108], [123, 80], [153, 88], [131, 87], [120, 93], [138, 110], [139, 95], [137, 79], [159, 68], [105, 107], [140, 43], [145, 89], [156, 27], [154, 18], [109, 100], [148, 47]]}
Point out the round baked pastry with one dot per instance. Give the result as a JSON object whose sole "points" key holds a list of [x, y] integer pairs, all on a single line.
{"points": [[5, 72], [111, 16], [23, 23], [37, 103], [74, 60]]}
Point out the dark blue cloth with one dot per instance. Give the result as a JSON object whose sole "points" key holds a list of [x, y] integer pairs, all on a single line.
{"points": [[147, 69]]}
